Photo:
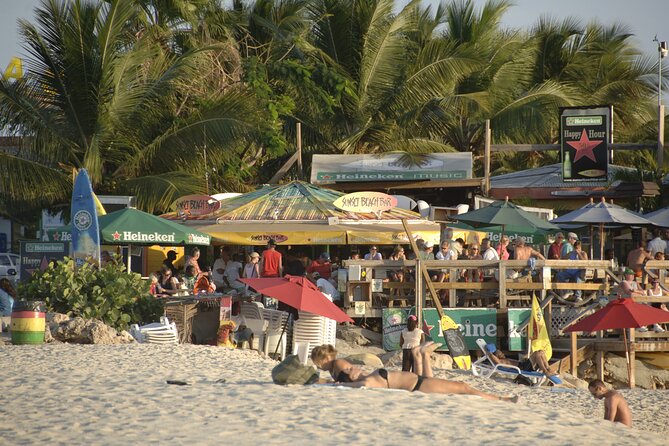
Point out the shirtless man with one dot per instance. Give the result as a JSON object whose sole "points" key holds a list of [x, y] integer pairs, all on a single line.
{"points": [[615, 406], [637, 257], [524, 252]]}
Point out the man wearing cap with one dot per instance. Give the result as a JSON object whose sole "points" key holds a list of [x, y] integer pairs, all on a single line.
{"points": [[325, 286], [322, 266], [271, 264], [629, 287], [568, 246]]}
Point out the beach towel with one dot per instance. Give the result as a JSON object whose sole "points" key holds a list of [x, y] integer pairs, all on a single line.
{"points": [[292, 371]]}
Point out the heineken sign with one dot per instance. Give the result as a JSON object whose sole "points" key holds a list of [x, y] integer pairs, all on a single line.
{"points": [[585, 136], [329, 169], [143, 237]]}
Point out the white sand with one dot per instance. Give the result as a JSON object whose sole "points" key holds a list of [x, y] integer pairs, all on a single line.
{"points": [[97, 394]]}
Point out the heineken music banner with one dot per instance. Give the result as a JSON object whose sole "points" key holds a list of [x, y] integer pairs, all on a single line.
{"points": [[517, 316], [474, 322], [585, 135]]}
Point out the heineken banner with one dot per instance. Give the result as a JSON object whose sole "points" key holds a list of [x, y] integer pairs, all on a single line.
{"points": [[585, 135], [36, 256], [517, 341], [473, 322]]}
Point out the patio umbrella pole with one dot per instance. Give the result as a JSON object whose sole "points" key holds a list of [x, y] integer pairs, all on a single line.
{"points": [[591, 247], [627, 357], [601, 241], [290, 317], [129, 259]]}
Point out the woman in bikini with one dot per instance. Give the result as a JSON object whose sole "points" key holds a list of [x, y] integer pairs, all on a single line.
{"points": [[344, 373]]}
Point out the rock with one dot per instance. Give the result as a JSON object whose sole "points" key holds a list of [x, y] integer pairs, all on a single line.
{"points": [[365, 359], [575, 382], [352, 334], [442, 361], [615, 372], [56, 318], [126, 337], [91, 331], [392, 359], [47, 335]]}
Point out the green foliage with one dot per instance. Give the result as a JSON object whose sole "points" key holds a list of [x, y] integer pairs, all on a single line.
{"points": [[109, 293]]}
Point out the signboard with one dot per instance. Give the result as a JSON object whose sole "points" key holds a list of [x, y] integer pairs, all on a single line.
{"points": [[193, 205], [330, 169], [585, 135], [517, 316], [473, 322], [36, 256], [14, 69], [85, 229], [365, 202]]}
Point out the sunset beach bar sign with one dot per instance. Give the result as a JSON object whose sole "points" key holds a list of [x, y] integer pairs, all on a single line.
{"points": [[365, 202], [193, 205]]}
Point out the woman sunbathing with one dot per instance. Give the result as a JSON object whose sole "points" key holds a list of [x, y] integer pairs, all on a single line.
{"points": [[324, 357]]}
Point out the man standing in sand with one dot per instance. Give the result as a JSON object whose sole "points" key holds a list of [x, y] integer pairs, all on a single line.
{"points": [[615, 406]]}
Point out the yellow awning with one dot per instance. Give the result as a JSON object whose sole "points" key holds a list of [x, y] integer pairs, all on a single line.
{"points": [[293, 233]]}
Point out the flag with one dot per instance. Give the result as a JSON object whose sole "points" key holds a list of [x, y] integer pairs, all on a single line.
{"points": [[98, 206], [537, 333]]}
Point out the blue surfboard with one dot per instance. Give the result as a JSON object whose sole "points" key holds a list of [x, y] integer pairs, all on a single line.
{"points": [[85, 230]]}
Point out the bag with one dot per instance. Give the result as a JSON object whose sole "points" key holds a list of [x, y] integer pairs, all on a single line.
{"points": [[292, 371], [524, 380]]}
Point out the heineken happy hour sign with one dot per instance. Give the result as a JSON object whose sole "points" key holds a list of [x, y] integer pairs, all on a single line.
{"points": [[585, 135]]}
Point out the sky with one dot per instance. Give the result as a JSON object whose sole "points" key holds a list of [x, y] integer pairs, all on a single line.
{"points": [[645, 18]]}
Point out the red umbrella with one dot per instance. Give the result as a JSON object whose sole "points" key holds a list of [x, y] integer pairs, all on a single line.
{"points": [[621, 314], [299, 293]]}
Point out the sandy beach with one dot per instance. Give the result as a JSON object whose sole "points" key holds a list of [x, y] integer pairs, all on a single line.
{"points": [[117, 394]]}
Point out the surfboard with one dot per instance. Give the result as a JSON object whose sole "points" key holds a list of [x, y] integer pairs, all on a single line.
{"points": [[85, 230], [456, 343]]}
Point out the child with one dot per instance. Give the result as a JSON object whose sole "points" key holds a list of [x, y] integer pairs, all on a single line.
{"points": [[153, 277], [411, 337], [615, 406]]}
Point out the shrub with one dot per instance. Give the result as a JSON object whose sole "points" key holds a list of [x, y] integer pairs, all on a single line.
{"points": [[109, 293]]}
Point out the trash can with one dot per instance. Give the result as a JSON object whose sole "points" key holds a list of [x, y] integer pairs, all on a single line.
{"points": [[28, 322]]}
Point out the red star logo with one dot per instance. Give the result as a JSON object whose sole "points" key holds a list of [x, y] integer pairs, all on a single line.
{"points": [[56, 236], [427, 328], [584, 147], [116, 236]]}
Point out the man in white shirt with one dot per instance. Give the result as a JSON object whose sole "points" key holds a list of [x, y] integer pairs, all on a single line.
{"points": [[489, 253], [233, 270], [657, 244], [325, 286], [446, 252], [218, 270]]}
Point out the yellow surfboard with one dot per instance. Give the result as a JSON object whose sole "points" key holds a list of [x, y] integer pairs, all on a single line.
{"points": [[456, 343]]}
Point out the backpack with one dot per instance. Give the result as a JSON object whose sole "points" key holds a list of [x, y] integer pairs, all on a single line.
{"points": [[292, 371]]}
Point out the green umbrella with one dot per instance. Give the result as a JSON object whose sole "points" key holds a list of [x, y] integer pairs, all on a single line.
{"points": [[506, 218], [133, 227]]}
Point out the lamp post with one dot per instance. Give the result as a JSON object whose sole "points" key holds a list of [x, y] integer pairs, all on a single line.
{"points": [[662, 51]]}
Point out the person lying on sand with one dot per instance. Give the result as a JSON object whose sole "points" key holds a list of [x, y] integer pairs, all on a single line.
{"points": [[324, 357], [535, 363], [615, 406]]}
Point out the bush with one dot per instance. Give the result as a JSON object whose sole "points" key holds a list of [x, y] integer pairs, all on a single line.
{"points": [[109, 293]]}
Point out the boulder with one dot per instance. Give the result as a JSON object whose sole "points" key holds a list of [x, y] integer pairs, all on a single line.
{"points": [[442, 361], [615, 372], [88, 331], [352, 334], [365, 359]]}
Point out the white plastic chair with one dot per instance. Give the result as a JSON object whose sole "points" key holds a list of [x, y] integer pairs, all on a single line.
{"points": [[302, 350], [486, 368], [252, 312], [275, 333], [163, 332]]}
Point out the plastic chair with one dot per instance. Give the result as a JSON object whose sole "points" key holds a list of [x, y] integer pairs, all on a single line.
{"points": [[302, 350], [275, 333], [486, 368], [164, 332]]}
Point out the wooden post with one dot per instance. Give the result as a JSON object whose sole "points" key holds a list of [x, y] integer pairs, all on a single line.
{"points": [[486, 158], [299, 149], [632, 359], [453, 293], [599, 359], [419, 294], [572, 354]]}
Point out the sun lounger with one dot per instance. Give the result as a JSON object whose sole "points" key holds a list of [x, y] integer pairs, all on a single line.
{"points": [[486, 368], [163, 332]]}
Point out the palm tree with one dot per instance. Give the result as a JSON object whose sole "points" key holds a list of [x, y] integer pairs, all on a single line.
{"points": [[97, 96]]}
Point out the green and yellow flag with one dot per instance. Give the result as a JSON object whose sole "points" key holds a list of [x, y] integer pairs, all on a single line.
{"points": [[537, 333]]}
